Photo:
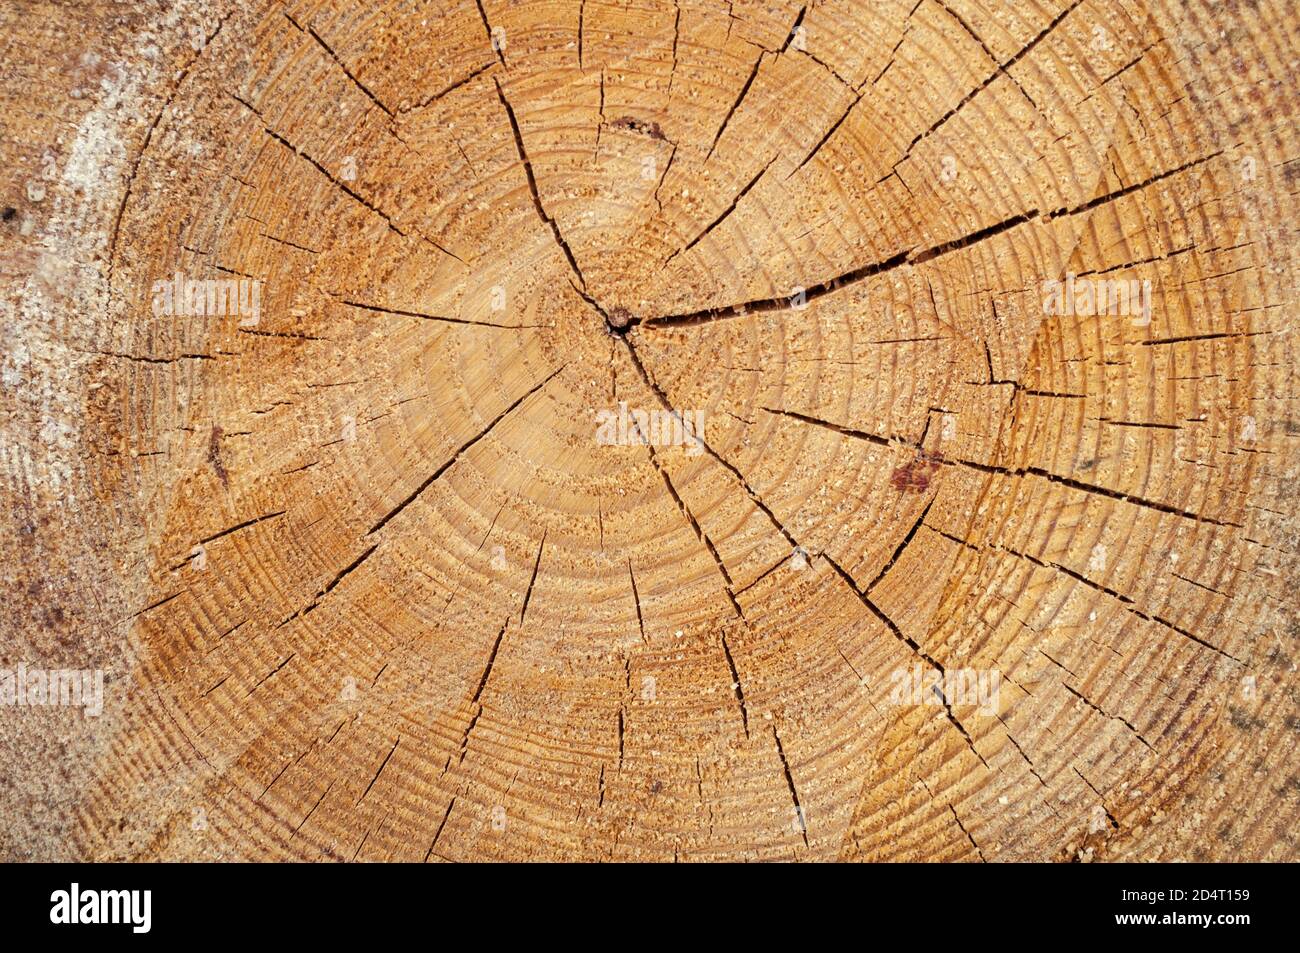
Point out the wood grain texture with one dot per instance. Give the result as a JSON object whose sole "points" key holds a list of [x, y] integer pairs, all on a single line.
{"points": [[366, 585]]}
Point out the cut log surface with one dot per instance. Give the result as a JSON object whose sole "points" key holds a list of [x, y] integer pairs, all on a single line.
{"points": [[673, 430]]}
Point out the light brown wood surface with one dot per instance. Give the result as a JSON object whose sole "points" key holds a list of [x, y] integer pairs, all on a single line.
{"points": [[365, 584]]}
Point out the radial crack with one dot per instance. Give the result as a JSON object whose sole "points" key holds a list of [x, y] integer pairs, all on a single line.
{"points": [[487, 28], [537, 198], [999, 70], [789, 780], [424, 316], [829, 132], [636, 596], [523, 612], [736, 687], [487, 669], [336, 182], [910, 643], [736, 105], [733, 470], [1124, 721], [966, 832], [727, 211], [380, 771], [452, 87], [341, 65], [459, 452], [1040, 472], [330, 586], [438, 832]]}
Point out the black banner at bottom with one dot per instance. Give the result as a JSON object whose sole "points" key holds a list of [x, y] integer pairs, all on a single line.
{"points": [[136, 903]]}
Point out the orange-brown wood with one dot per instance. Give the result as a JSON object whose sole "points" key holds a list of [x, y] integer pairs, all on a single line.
{"points": [[679, 430]]}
